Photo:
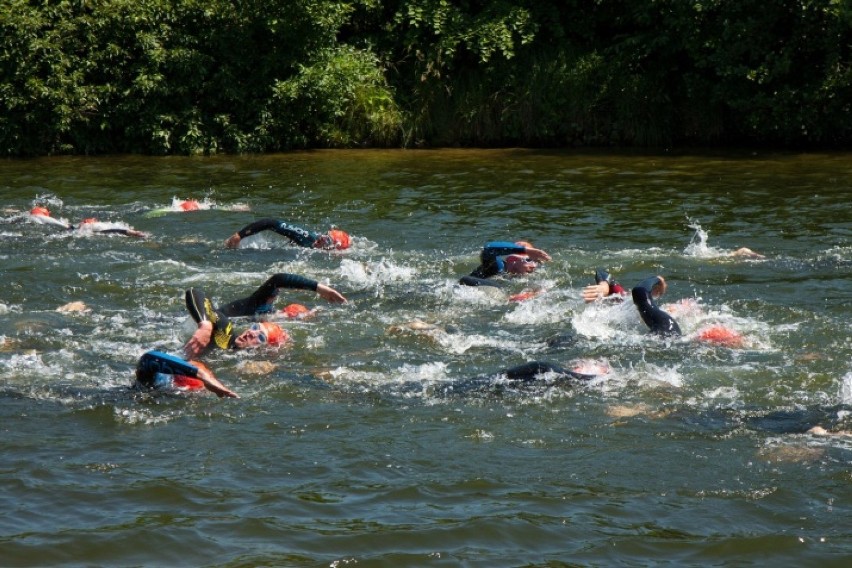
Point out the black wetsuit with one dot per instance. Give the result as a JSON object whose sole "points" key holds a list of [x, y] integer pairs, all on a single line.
{"points": [[491, 263], [262, 299], [523, 374], [656, 319], [298, 235], [201, 309]]}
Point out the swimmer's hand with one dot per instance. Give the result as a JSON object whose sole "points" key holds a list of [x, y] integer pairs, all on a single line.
{"points": [[199, 340], [658, 289], [213, 384], [746, 252], [330, 294], [535, 254], [233, 241], [596, 291]]}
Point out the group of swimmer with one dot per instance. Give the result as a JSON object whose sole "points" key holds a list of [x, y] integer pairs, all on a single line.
{"points": [[215, 328]]}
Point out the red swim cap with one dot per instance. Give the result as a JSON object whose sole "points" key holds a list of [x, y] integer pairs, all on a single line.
{"points": [[524, 296], [189, 205], [188, 383], [339, 238], [721, 335], [39, 210], [296, 311], [274, 334]]}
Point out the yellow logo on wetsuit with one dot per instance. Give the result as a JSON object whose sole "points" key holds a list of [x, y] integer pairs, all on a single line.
{"points": [[222, 337]]}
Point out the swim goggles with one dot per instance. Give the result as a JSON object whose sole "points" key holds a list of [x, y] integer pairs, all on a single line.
{"points": [[261, 334]]}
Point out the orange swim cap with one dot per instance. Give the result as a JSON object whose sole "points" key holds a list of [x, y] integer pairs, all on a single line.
{"points": [[340, 239], [721, 335], [524, 296], [39, 210], [189, 205], [274, 334], [296, 311], [88, 221]]}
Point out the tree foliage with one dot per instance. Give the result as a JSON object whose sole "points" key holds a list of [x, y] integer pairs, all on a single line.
{"points": [[193, 76]]}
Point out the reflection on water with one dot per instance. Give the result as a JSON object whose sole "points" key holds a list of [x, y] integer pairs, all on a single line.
{"points": [[345, 447]]}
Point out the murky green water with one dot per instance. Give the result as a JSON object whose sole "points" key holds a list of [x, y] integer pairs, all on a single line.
{"points": [[343, 449]]}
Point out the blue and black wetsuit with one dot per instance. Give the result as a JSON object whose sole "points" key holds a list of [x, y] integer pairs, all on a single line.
{"points": [[491, 263], [659, 321], [201, 309], [156, 369], [298, 235], [260, 302]]}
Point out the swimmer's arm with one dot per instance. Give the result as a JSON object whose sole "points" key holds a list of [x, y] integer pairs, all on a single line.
{"points": [[125, 232], [199, 340], [294, 281], [269, 289], [213, 384], [655, 286], [250, 229], [495, 249], [596, 291], [298, 235]]}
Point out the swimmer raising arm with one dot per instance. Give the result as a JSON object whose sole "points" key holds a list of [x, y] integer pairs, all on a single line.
{"points": [[333, 239]]}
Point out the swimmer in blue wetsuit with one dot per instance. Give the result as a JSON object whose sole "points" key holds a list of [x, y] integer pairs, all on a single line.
{"points": [[520, 258], [156, 370], [333, 239], [656, 319]]}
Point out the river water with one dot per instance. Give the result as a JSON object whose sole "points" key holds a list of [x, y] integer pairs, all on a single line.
{"points": [[345, 447]]}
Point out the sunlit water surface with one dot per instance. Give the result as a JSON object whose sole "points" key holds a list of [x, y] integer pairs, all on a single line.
{"points": [[346, 447]]}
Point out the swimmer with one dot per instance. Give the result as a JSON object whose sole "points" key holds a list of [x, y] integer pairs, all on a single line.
{"points": [[214, 324], [660, 322], [504, 257], [215, 328], [156, 370], [333, 239], [746, 252], [42, 215], [526, 373], [604, 287]]}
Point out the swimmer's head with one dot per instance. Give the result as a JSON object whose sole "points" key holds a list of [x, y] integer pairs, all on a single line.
{"points": [[88, 221], [334, 239], [40, 210], [296, 311], [721, 335], [189, 205], [519, 264], [264, 333]]}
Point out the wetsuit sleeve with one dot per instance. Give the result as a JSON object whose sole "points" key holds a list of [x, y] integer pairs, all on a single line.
{"points": [[298, 235], [656, 319], [490, 259], [262, 298], [154, 362], [201, 309]]}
